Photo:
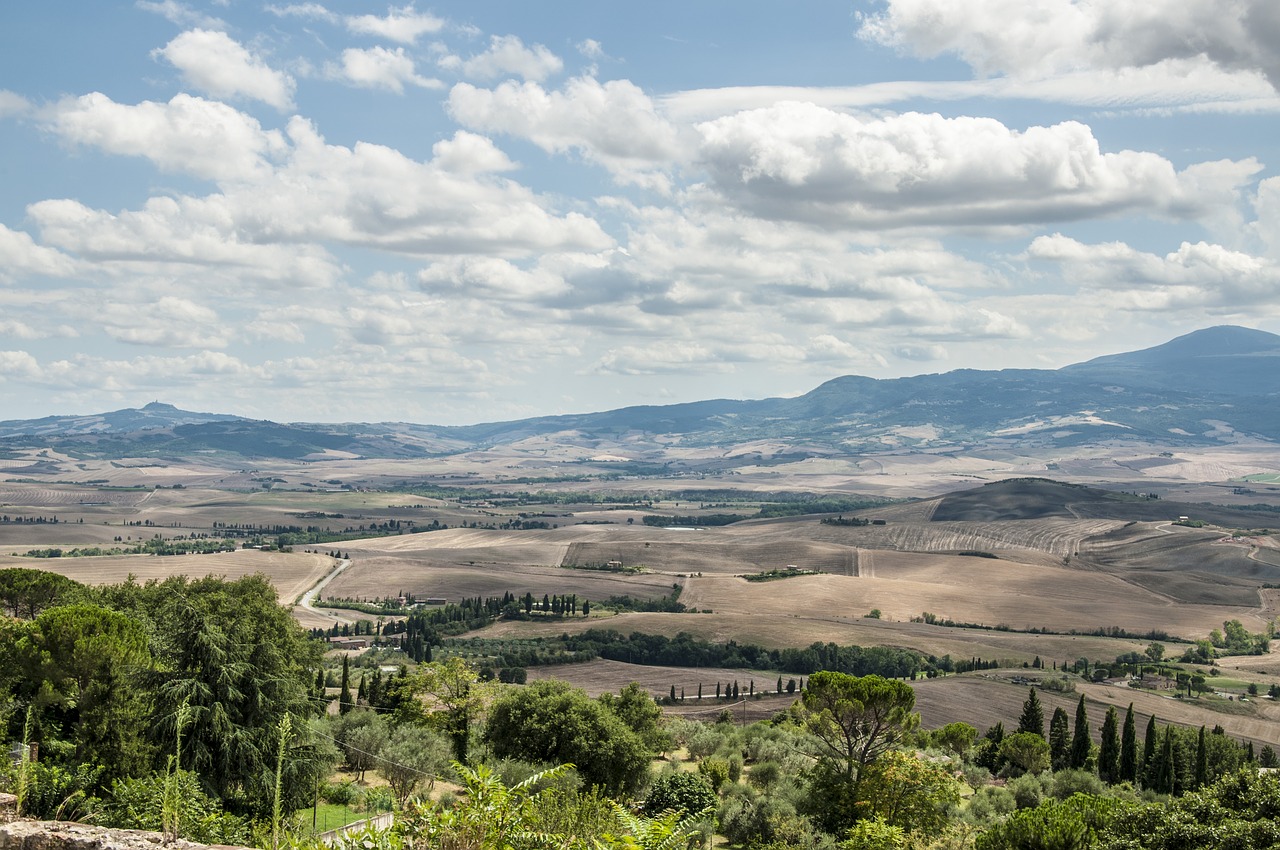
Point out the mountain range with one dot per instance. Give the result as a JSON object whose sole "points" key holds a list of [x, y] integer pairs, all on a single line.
{"points": [[1212, 386]]}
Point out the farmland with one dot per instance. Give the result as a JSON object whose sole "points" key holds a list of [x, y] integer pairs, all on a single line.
{"points": [[1030, 568]]}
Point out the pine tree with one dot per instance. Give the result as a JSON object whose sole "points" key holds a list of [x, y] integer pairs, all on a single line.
{"points": [[1032, 719], [1129, 748], [344, 696], [1109, 749], [1060, 739], [1147, 768], [1080, 741]]}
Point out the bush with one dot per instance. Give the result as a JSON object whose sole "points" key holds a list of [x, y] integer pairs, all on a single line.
{"points": [[686, 793], [340, 793]]}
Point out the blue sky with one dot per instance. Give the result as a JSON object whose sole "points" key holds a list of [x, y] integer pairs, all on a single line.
{"points": [[465, 212]]}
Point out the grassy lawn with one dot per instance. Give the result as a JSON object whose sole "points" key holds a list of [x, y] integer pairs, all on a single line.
{"points": [[329, 816]]}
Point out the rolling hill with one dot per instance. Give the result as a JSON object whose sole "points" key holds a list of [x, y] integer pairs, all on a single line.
{"points": [[1211, 387]]}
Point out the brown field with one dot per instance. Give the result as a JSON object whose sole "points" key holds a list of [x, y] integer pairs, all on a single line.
{"points": [[796, 631], [982, 699], [291, 573]]}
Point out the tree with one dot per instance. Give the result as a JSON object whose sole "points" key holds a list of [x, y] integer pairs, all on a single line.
{"points": [[911, 793], [1109, 749], [81, 664], [361, 735], [242, 664], [635, 707], [552, 722], [447, 695], [345, 703], [1129, 748], [1081, 743], [681, 792], [1026, 751], [1149, 754], [25, 592], [855, 721], [411, 757], [1032, 719], [1060, 739], [1202, 762]]}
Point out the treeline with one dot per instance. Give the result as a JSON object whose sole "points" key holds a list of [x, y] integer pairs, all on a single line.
{"points": [[708, 520], [154, 546]]}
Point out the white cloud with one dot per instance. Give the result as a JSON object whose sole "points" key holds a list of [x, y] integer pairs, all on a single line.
{"points": [[807, 163], [20, 256], [199, 240], [180, 14], [612, 123], [508, 56], [468, 153], [18, 365], [314, 11], [379, 67], [1197, 275], [1055, 36], [188, 134], [12, 104], [403, 25], [218, 65], [170, 322], [591, 48]]}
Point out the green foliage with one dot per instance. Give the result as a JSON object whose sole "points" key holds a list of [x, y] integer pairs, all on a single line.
{"points": [[52, 792], [24, 593], [909, 792], [551, 722], [1073, 824], [412, 757], [1032, 719], [1025, 752], [875, 834], [141, 803]]}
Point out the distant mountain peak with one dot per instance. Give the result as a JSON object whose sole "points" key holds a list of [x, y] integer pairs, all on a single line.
{"points": [[159, 407]]}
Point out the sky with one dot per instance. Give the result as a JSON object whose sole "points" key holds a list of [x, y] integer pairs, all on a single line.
{"points": [[464, 212]]}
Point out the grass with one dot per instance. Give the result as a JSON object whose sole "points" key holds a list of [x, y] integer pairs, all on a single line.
{"points": [[329, 816]]}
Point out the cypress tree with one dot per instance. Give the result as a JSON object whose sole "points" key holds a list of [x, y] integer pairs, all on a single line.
{"points": [[1109, 749], [1032, 719], [1147, 767], [779, 684], [1202, 762], [1080, 741], [1129, 748], [1166, 769], [344, 696], [362, 694], [319, 682], [1060, 739]]}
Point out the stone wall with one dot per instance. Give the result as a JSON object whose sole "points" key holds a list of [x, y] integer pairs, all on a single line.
{"points": [[54, 835]]}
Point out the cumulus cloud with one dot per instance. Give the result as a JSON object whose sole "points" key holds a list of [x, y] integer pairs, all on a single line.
{"points": [[1197, 275], [181, 237], [18, 365], [218, 65], [381, 68], [169, 322], [614, 123], [507, 56], [808, 163], [188, 134], [403, 25], [1056, 36], [468, 153], [21, 256]]}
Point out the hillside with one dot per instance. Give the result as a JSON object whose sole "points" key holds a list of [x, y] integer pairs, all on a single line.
{"points": [[1213, 387]]}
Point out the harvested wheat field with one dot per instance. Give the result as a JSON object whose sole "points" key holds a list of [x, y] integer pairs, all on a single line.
{"points": [[291, 573], [798, 631], [968, 590], [983, 699]]}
